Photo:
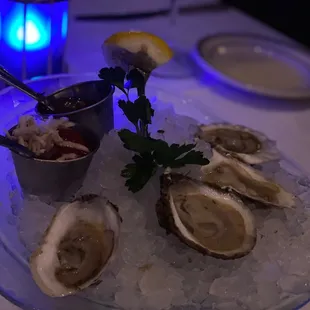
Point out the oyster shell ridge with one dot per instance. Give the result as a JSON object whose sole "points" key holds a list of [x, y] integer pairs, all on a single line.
{"points": [[166, 220]]}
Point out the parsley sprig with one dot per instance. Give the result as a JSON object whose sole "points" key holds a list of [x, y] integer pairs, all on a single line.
{"points": [[139, 112], [150, 153]]}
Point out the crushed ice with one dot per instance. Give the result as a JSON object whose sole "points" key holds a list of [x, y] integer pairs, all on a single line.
{"points": [[156, 271]]}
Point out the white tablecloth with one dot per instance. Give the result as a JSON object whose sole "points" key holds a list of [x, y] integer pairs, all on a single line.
{"points": [[288, 123]]}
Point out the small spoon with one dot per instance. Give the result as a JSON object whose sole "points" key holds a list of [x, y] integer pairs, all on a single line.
{"points": [[13, 81], [16, 147]]}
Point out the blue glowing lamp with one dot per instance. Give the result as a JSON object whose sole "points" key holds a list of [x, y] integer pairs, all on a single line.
{"points": [[32, 36]]}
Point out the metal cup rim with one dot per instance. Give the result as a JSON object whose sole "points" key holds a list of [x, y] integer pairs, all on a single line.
{"points": [[111, 92]]}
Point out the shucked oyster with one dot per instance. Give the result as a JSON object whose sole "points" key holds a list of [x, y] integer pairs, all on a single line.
{"points": [[248, 145], [229, 173], [76, 247], [211, 221]]}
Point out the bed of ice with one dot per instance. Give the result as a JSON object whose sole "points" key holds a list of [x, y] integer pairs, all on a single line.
{"points": [[154, 271]]}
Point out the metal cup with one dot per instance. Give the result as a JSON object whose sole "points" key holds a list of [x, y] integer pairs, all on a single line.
{"points": [[56, 180], [98, 117]]}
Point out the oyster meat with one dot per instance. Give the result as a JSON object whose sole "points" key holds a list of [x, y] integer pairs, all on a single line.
{"points": [[226, 172], [248, 145], [77, 246], [211, 221]]}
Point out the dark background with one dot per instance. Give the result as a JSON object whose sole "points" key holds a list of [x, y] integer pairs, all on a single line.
{"points": [[291, 17]]}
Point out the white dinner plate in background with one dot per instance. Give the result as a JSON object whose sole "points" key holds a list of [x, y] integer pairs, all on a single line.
{"points": [[256, 64]]}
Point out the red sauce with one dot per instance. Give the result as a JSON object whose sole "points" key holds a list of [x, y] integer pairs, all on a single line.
{"points": [[70, 135]]}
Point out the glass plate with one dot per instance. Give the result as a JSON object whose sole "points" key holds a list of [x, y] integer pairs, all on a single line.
{"points": [[256, 64], [16, 283]]}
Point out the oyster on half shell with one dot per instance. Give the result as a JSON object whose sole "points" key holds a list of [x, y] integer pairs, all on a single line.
{"points": [[226, 172], [243, 143], [77, 246], [211, 221]]}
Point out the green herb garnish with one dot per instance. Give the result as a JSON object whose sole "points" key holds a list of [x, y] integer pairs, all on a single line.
{"points": [[150, 153], [139, 172]]}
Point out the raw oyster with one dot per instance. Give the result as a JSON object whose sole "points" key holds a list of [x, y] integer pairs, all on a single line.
{"points": [[226, 172], [248, 145], [211, 221], [77, 246]]}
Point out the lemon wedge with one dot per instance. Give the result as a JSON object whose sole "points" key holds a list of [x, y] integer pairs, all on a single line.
{"points": [[136, 49]]}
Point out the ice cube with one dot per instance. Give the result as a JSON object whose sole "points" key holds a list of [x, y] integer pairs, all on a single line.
{"points": [[268, 272], [33, 220], [135, 249], [226, 287], [187, 307], [129, 276], [160, 287], [204, 147], [156, 278], [173, 128], [268, 294], [288, 181], [158, 244], [294, 284], [229, 305], [128, 298], [132, 216], [105, 290], [299, 264], [179, 299]]}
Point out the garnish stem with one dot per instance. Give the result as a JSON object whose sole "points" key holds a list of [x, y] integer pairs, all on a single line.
{"points": [[137, 129], [167, 170], [141, 89]]}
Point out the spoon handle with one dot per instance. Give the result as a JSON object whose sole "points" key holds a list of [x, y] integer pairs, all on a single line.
{"points": [[13, 81], [15, 147]]}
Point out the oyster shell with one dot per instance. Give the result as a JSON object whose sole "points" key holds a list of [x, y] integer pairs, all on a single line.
{"points": [[211, 221], [77, 246], [225, 172], [248, 145]]}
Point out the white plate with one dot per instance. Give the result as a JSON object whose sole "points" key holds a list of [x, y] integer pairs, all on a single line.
{"points": [[256, 64]]}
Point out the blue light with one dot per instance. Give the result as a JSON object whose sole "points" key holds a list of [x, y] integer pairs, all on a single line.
{"points": [[32, 33], [64, 25], [37, 30], [42, 32], [0, 27]]}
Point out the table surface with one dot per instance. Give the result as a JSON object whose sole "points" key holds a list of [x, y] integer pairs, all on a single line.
{"points": [[286, 122]]}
